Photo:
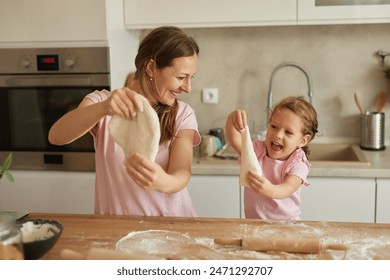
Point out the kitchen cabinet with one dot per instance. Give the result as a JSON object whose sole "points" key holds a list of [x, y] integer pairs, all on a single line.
{"points": [[215, 196], [383, 201], [49, 192], [42, 21], [310, 13], [141, 14], [339, 199]]}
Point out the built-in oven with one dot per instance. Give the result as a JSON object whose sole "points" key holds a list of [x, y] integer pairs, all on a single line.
{"points": [[37, 87]]}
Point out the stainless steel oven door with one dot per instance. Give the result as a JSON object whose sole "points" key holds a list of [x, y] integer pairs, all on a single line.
{"points": [[29, 106]]}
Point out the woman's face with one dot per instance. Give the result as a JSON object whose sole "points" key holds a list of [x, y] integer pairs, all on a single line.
{"points": [[171, 81], [285, 134]]}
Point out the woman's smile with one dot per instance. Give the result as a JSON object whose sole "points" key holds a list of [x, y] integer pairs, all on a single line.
{"points": [[174, 94]]}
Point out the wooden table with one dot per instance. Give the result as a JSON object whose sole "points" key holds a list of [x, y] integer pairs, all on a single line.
{"points": [[83, 232]]}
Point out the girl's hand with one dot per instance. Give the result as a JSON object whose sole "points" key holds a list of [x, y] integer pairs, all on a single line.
{"points": [[235, 123], [148, 175], [124, 102], [238, 119], [260, 185], [264, 187]]}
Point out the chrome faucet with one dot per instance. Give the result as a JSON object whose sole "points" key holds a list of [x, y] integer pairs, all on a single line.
{"points": [[280, 66]]}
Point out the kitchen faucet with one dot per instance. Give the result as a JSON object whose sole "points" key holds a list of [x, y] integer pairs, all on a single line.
{"points": [[280, 66]]}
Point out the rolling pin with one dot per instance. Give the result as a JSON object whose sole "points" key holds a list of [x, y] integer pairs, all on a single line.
{"points": [[102, 254], [288, 245]]}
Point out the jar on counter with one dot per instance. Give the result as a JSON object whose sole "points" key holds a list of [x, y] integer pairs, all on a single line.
{"points": [[210, 145], [11, 243]]}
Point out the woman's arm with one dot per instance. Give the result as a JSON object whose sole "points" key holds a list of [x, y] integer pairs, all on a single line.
{"points": [[74, 124], [149, 175]]}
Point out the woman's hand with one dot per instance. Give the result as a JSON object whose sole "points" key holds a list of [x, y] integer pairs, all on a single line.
{"points": [[124, 102], [148, 175], [151, 176]]}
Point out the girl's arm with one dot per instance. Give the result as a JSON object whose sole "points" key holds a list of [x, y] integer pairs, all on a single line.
{"points": [[264, 187], [149, 175]]}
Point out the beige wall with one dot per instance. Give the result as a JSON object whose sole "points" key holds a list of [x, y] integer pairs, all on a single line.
{"points": [[340, 60]]}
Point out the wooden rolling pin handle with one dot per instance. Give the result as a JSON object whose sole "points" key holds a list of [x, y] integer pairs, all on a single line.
{"points": [[228, 241], [289, 245], [103, 254], [67, 254], [339, 247]]}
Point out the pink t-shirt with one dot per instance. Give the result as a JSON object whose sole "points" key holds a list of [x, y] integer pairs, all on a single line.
{"points": [[115, 191], [261, 207]]}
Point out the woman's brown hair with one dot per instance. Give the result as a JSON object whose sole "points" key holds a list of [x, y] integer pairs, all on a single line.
{"points": [[304, 110], [162, 45]]}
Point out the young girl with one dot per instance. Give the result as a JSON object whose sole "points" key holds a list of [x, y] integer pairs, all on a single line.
{"points": [[282, 156]]}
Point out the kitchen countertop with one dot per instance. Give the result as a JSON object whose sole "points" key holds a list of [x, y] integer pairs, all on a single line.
{"points": [[379, 167], [193, 238]]}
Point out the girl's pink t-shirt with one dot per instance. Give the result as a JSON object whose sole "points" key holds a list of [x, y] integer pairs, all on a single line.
{"points": [[261, 207], [115, 191]]}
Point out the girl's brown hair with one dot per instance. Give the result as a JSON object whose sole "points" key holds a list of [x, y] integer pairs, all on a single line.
{"points": [[162, 45], [304, 110]]}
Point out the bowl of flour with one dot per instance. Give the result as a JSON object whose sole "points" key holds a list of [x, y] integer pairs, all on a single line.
{"points": [[39, 236]]}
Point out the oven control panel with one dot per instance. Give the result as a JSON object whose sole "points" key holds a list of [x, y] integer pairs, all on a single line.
{"points": [[55, 60]]}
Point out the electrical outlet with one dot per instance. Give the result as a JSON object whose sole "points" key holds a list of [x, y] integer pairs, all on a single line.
{"points": [[210, 95]]}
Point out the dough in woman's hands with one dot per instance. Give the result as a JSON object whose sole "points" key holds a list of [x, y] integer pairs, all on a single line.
{"points": [[249, 161], [137, 136]]}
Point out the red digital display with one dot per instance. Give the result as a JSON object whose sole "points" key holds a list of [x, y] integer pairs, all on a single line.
{"points": [[48, 60]]}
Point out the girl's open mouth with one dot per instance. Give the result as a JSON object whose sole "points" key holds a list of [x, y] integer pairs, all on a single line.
{"points": [[276, 146]]}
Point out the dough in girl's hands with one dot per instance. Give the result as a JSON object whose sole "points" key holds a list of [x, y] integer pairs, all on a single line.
{"points": [[137, 136], [249, 161]]}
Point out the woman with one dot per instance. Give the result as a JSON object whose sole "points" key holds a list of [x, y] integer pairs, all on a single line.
{"points": [[165, 64]]}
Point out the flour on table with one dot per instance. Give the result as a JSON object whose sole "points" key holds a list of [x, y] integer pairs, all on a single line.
{"points": [[361, 246], [151, 241], [167, 244]]}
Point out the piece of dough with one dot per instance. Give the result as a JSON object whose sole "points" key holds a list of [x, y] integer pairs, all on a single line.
{"points": [[249, 161], [141, 135], [165, 244]]}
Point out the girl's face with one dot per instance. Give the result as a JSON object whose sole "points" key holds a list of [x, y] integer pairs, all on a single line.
{"points": [[285, 135], [171, 81]]}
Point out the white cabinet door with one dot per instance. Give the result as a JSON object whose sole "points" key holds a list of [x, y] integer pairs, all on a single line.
{"points": [[204, 13], [383, 201], [49, 192], [309, 13], [38, 21], [215, 196], [339, 199]]}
